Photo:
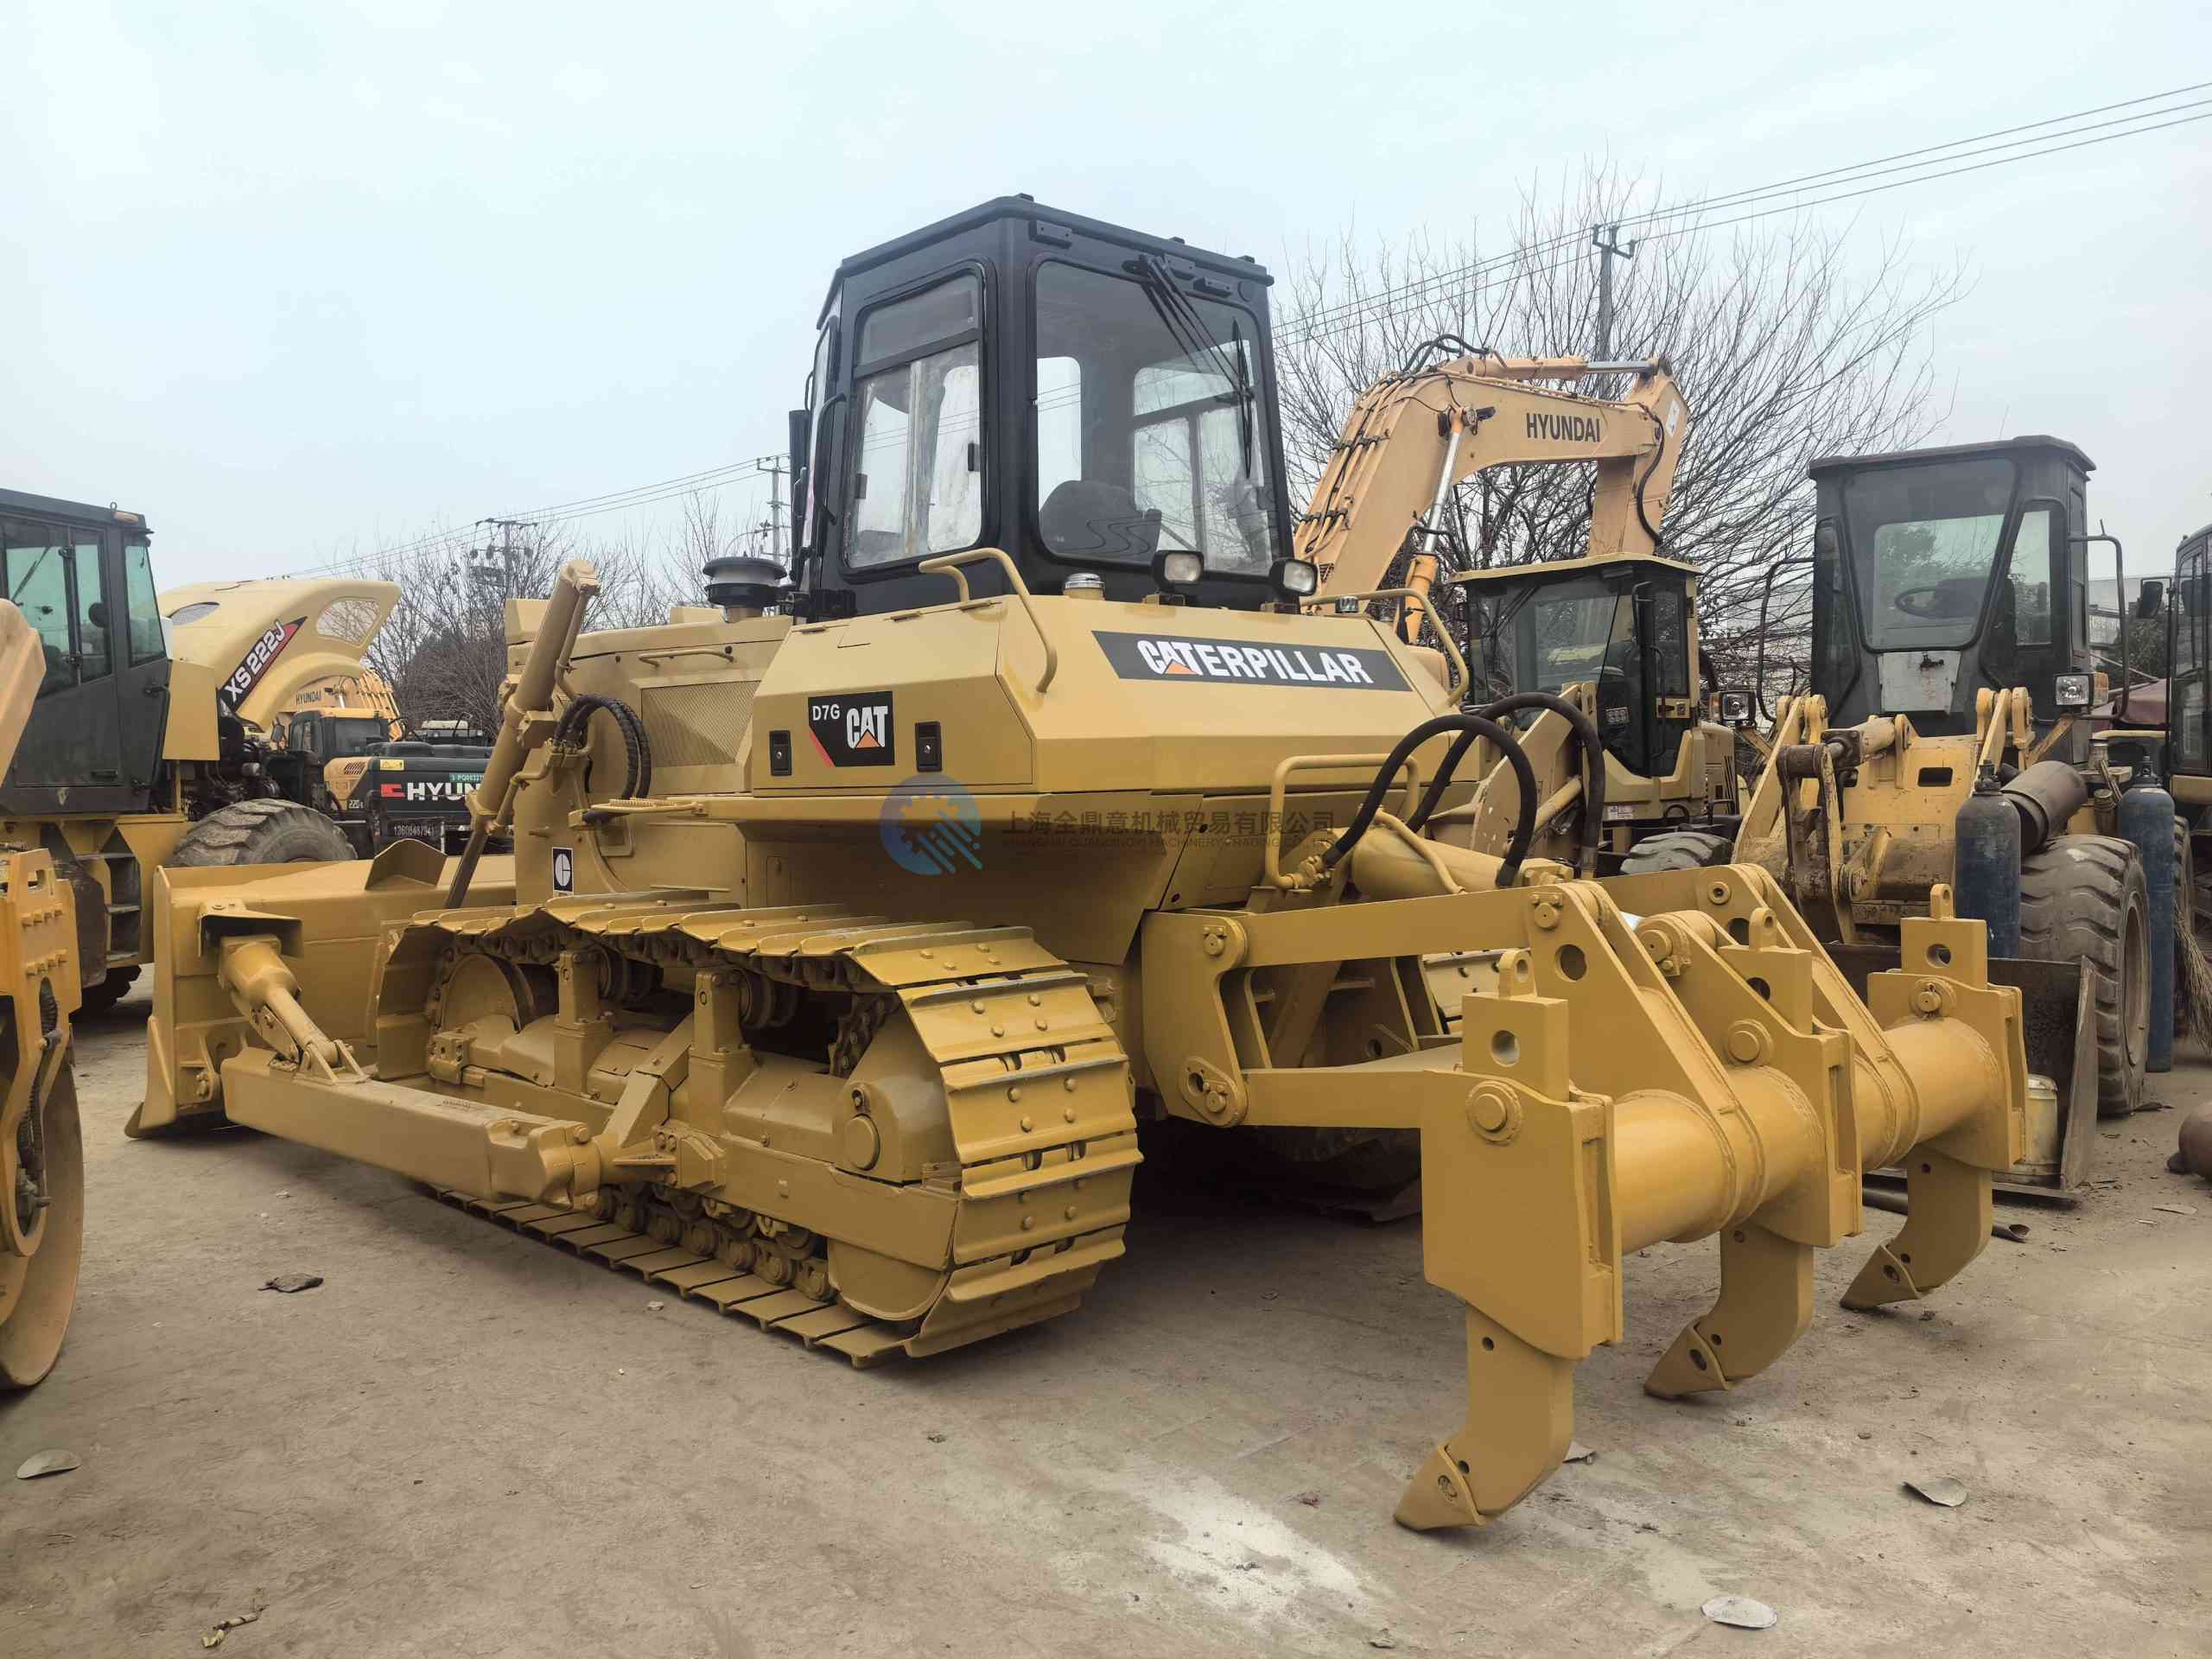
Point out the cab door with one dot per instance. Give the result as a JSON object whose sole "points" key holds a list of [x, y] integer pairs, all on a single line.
{"points": [[142, 664], [2189, 730], [71, 757]]}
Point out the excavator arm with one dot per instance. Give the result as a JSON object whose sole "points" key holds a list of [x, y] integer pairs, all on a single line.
{"points": [[1412, 436]]}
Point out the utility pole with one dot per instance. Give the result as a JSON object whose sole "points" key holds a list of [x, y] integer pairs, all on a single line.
{"points": [[1606, 239], [492, 570], [775, 466]]}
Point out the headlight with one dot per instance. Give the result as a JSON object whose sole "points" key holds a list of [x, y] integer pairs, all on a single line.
{"points": [[1294, 578], [1176, 568], [1735, 708], [2073, 692]]}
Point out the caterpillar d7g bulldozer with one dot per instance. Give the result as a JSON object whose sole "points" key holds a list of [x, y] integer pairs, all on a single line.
{"points": [[1049, 805]]}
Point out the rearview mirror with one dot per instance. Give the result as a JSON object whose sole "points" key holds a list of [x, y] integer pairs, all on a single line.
{"points": [[2149, 596]]}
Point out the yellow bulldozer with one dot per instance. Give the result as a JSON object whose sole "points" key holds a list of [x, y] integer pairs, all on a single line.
{"points": [[1044, 801]]}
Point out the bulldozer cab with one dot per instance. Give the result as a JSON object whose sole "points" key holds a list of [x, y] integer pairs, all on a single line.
{"points": [[1941, 572], [1621, 626], [83, 575], [1085, 397]]}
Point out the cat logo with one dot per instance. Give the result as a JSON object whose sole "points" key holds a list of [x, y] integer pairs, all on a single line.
{"points": [[853, 731]]}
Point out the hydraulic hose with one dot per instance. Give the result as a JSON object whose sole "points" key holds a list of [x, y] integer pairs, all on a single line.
{"points": [[1590, 753], [636, 747], [1524, 827]]}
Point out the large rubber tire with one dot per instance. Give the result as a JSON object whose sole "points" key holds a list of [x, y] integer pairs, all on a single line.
{"points": [[262, 832], [38, 1316], [1678, 849], [98, 999], [2082, 898]]}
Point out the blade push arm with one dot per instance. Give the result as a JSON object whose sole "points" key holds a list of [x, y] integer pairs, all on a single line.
{"points": [[1411, 437]]}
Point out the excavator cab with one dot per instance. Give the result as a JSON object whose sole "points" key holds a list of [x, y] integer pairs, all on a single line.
{"points": [[1943, 572], [1088, 399], [1621, 626]]}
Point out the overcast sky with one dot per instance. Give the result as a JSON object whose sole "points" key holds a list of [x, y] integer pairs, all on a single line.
{"points": [[293, 280]]}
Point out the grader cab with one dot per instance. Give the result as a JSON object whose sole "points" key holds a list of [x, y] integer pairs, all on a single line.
{"points": [[1043, 803]]}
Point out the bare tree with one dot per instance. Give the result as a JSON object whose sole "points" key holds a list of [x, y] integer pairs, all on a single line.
{"points": [[443, 649], [1786, 348]]}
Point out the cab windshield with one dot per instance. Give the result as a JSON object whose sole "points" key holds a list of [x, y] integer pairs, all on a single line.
{"points": [[1925, 541], [354, 736], [1150, 427]]}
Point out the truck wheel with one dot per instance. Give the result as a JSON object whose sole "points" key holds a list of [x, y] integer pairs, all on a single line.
{"points": [[98, 999], [1678, 849], [2082, 900], [262, 832]]}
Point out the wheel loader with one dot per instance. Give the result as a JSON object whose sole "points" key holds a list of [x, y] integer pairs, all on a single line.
{"points": [[1045, 802], [41, 1146], [1945, 741], [1942, 698]]}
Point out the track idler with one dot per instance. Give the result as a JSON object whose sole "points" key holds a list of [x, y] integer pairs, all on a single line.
{"points": [[1703, 1071]]}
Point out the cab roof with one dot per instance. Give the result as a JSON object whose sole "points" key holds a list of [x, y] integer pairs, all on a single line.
{"points": [[49, 507], [2039, 442], [1028, 207]]}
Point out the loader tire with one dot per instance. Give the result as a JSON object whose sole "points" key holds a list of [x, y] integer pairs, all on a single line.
{"points": [[262, 832], [2082, 898], [1678, 849], [98, 999]]}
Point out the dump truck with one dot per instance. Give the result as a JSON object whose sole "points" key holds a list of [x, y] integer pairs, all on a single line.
{"points": [[1045, 802], [41, 1144]]}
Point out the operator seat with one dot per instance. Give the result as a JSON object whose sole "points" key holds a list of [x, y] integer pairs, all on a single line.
{"points": [[1086, 518]]}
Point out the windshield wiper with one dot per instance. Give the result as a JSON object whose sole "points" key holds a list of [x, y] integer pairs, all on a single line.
{"points": [[1198, 342]]}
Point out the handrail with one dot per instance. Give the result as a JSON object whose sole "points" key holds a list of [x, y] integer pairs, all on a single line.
{"points": [[1278, 787], [950, 562], [1458, 663]]}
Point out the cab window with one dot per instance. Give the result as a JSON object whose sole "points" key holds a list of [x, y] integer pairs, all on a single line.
{"points": [[917, 477], [95, 654], [148, 641], [37, 574]]}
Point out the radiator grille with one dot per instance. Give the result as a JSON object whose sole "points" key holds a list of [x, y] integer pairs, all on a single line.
{"points": [[696, 725]]}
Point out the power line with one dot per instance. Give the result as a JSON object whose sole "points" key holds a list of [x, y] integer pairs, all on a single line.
{"points": [[1309, 325], [1745, 198]]}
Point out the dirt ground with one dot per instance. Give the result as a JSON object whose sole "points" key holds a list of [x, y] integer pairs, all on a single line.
{"points": [[468, 1443]]}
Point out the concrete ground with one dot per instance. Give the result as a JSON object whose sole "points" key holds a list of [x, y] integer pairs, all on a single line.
{"points": [[468, 1443]]}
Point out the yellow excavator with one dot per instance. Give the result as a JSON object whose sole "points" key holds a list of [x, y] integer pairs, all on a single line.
{"points": [[1599, 650], [1046, 800]]}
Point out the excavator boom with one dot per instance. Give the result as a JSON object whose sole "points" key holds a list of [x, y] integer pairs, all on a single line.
{"points": [[1412, 436]]}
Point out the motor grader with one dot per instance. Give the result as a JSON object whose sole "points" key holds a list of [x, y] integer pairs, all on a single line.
{"points": [[1045, 804]]}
